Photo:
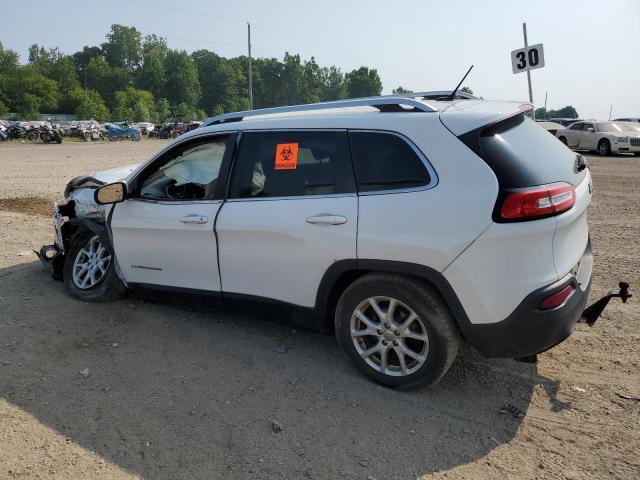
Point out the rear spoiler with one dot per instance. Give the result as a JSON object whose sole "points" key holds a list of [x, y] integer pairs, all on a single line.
{"points": [[463, 117]]}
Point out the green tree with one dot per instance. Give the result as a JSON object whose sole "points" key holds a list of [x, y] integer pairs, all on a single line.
{"points": [[540, 113], [123, 47], [401, 90], [151, 76], [106, 80], [91, 106], [141, 113], [181, 84], [467, 90], [185, 113], [27, 106], [564, 112], [29, 81], [335, 87], [3, 108], [363, 82], [162, 112], [126, 101], [8, 67]]}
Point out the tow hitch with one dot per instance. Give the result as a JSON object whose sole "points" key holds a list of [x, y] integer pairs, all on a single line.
{"points": [[593, 312]]}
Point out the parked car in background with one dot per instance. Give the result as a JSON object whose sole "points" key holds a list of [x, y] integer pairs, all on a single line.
{"points": [[564, 121], [145, 127], [603, 137], [121, 131], [628, 119], [551, 127]]}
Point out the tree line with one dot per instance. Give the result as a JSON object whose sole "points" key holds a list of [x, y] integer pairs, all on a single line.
{"points": [[136, 78]]}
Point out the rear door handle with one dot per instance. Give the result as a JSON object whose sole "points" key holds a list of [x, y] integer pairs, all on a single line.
{"points": [[194, 219], [327, 219]]}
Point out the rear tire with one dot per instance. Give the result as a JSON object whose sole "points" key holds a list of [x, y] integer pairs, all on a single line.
{"points": [[103, 285], [604, 147], [428, 344]]}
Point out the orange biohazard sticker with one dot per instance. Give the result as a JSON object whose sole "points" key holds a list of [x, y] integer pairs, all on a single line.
{"points": [[286, 156]]}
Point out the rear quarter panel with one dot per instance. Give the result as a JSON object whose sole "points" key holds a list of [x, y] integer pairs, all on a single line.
{"points": [[430, 227]]}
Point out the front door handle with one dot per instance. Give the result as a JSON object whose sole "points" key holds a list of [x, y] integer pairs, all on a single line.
{"points": [[194, 219], [327, 219]]}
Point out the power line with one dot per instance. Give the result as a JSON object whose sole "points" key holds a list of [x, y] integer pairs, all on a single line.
{"points": [[93, 30], [278, 32]]}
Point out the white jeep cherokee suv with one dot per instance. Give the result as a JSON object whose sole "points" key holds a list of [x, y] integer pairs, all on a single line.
{"points": [[401, 224]]}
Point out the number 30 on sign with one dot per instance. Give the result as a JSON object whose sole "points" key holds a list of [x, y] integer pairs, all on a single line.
{"points": [[528, 58]]}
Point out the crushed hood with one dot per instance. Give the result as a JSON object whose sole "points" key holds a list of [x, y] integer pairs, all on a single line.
{"points": [[115, 174]]}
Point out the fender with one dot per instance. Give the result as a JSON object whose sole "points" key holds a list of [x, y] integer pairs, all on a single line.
{"points": [[342, 273], [97, 226]]}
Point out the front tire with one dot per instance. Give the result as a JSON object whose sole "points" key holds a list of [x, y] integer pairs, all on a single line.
{"points": [[604, 147], [396, 330], [89, 270]]}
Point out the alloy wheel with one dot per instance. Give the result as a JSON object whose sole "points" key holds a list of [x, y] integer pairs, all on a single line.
{"points": [[389, 336], [91, 264]]}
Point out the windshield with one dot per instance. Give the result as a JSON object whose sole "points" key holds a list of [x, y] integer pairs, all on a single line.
{"points": [[611, 127]]}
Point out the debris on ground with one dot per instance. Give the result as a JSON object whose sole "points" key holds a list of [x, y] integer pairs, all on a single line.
{"points": [[275, 426], [627, 396], [514, 411], [578, 389], [85, 372]]}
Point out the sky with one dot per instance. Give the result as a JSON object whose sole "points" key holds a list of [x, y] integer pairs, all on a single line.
{"points": [[591, 47]]}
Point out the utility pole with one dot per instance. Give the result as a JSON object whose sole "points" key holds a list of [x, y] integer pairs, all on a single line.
{"points": [[610, 110], [250, 70], [545, 105], [526, 45]]}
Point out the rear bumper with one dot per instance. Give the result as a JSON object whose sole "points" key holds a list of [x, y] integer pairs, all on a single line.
{"points": [[528, 330]]}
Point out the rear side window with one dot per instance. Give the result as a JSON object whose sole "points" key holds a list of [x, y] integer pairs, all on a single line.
{"points": [[384, 161], [523, 154], [292, 164]]}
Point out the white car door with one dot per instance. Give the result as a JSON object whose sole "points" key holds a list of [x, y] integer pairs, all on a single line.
{"points": [[291, 213], [588, 138], [574, 134], [163, 234]]}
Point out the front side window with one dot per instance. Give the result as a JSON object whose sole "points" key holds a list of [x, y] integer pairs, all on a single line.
{"points": [[292, 164], [384, 161], [576, 126], [191, 174]]}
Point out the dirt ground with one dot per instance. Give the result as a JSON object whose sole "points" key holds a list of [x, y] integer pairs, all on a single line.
{"points": [[179, 393]]}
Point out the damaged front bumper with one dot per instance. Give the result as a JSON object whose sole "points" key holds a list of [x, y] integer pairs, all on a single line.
{"points": [[50, 255]]}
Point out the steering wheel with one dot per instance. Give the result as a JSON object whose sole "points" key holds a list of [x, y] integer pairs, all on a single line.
{"points": [[187, 191]]}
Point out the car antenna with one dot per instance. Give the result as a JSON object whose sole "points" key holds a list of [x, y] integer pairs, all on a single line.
{"points": [[452, 95]]}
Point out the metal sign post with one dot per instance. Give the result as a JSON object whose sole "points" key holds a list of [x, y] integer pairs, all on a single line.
{"points": [[527, 59], [526, 47], [250, 69]]}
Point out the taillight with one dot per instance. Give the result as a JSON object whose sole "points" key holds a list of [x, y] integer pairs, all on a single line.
{"points": [[557, 299], [537, 202]]}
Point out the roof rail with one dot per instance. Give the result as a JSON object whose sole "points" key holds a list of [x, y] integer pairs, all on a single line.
{"points": [[391, 103]]}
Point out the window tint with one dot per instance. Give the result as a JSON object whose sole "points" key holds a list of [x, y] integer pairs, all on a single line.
{"points": [[189, 175], [286, 164], [576, 126], [384, 161]]}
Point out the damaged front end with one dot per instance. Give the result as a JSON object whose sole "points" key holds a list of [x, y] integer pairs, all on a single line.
{"points": [[79, 213]]}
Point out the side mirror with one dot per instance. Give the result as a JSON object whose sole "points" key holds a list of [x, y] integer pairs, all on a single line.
{"points": [[110, 193], [590, 130]]}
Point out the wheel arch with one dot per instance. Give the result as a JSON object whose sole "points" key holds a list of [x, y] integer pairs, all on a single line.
{"points": [[344, 272], [74, 227]]}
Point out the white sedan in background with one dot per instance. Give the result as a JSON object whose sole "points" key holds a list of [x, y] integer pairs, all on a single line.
{"points": [[603, 137]]}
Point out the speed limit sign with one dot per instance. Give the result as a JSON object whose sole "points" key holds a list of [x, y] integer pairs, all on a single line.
{"points": [[528, 58]]}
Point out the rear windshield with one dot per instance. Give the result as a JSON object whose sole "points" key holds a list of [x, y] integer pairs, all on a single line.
{"points": [[523, 154]]}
